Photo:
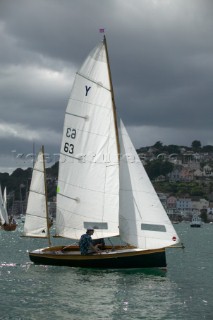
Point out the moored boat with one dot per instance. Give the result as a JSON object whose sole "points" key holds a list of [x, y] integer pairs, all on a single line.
{"points": [[196, 221], [7, 223]]}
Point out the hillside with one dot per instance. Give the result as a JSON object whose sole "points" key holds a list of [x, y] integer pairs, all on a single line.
{"points": [[157, 163]]}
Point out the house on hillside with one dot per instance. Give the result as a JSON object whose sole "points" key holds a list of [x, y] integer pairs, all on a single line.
{"points": [[198, 174], [171, 202], [207, 171], [174, 176], [199, 203], [186, 175], [210, 212], [184, 204]]}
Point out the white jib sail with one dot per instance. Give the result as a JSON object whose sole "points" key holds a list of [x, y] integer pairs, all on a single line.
{"points": [[3, 210], [88, 182], [36, 216], [143, 220]]}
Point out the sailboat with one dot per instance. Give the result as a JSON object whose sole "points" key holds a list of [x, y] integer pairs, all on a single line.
{"points": [[3, 213], [7, 224], [37, 223], [102, 182], [196, 221]]}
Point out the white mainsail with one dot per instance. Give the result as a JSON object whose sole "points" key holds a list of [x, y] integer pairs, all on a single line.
{"points": [[88, 182], [3, 209], [143, 220], [36, 214]]}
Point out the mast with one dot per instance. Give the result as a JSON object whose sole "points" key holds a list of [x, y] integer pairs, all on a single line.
{"points": [[113, 99], [45, 192]]}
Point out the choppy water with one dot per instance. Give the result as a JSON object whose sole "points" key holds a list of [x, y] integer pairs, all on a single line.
{"points": [[32, 292]]}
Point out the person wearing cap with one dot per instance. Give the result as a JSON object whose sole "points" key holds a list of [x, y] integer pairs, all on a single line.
{"points": [[85, 243]]}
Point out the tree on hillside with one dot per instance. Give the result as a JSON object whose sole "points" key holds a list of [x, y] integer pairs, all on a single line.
{"points": [[172, 148], [53, 171], [158, 145], [196, 145], [158, 167], [4, 179], [207, 148]]}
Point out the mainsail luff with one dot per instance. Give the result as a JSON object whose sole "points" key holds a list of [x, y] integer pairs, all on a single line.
{"points": [[113, 99]]}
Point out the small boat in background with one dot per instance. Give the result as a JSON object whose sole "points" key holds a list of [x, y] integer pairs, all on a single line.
{"points": [[6, 223], [37, 221], [196, 221]]}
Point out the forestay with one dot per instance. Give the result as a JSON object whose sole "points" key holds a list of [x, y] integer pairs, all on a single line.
{"points": [[88, 183], [36, 213], [143, 220]]}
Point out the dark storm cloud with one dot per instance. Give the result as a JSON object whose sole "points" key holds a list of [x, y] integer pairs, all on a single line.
{"points": [[161, 55]]}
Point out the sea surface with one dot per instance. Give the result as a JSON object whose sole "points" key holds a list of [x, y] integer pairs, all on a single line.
{"points": [[184, 291]]}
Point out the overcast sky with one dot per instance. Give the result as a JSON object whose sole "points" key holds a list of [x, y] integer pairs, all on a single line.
{"points": [[161, 54]]}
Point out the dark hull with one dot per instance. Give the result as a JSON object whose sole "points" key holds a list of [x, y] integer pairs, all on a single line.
{"points": [[9, 227], [118, 260], [195, 225]]}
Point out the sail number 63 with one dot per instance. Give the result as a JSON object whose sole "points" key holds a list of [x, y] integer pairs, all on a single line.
{"points": [[71, 133], [69, 148]]}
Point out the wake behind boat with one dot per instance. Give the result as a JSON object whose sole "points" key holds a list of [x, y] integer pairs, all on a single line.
{"points": [[102, 182]]}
